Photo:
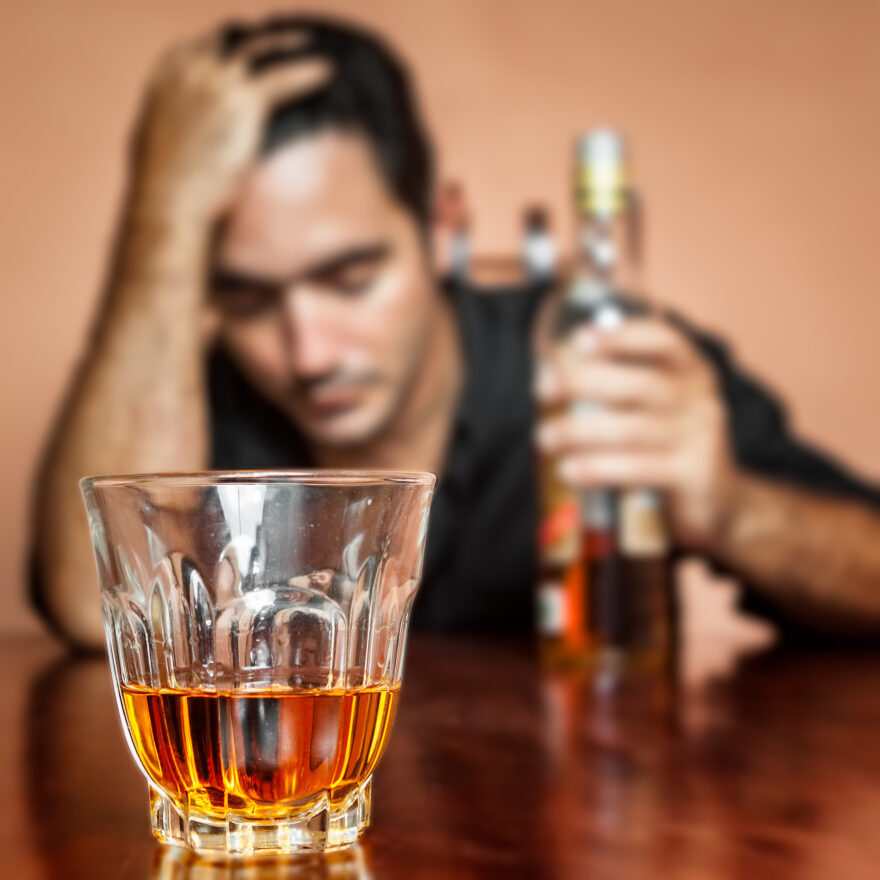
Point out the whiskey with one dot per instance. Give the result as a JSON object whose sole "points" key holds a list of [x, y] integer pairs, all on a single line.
{"points": [[604, 595], [259, 754]]}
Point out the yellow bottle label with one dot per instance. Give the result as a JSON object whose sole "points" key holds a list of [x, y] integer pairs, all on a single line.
{"points": [[603, 188]]}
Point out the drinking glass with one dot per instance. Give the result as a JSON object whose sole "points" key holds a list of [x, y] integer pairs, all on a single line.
{"points": [[256, 625]]}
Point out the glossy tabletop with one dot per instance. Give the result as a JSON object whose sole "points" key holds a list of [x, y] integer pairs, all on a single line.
{"points": [[763, 763]]}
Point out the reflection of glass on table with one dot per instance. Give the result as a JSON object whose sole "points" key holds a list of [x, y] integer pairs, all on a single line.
{"points": [[173, 863]]}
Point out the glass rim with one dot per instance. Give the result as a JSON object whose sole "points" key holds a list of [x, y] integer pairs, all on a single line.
{"points": [[339, 477]]}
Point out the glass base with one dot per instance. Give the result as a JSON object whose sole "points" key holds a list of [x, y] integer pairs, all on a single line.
{"points": [[323, 829]]}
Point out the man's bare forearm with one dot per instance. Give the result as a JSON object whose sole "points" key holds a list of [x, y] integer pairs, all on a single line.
{"points": [[816, 558], [137, 404]]}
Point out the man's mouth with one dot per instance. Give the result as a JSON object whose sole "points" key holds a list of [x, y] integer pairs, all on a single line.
{"points": [[323, 403]]}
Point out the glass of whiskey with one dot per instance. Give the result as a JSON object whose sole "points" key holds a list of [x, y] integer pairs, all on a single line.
{"points": [[256, 625]]}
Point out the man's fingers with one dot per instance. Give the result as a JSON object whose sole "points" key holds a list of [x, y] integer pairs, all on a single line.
{"points": [[183, 57], [274, 64], [609, 384], [639, 339], [616, 470], [284, 48], [605, 429], [265, 43], [293, 79]]}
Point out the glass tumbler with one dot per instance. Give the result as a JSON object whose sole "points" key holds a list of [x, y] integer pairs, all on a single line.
{"points": [[256, 625]]}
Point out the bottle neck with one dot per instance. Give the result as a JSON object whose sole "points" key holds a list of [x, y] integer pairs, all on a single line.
{"points": [[606, 247]]}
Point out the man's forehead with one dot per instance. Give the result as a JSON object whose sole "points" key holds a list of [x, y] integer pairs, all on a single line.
{"points": [[309, 164], [306, 200]]}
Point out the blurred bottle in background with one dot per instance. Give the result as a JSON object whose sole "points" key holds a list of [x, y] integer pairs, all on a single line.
{"points": [[605, 592], [452, 233], [539, 255]]}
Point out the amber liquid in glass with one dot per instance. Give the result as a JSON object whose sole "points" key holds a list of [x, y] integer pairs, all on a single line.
{"points": [[259, 754]]}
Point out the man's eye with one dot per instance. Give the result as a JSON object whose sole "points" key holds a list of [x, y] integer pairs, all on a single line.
{"points": [[245, 303], [353, 281]]}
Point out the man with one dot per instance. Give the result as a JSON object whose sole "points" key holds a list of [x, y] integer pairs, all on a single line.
{"points": [[283, 171]]}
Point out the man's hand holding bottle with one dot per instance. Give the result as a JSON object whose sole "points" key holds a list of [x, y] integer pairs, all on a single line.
{"points": [[660, 422]]}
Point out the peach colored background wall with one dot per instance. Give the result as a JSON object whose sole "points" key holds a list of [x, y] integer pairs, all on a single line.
{"points": [[756, 135]]}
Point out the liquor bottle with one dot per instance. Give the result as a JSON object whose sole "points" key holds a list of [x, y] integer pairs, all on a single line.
{"points": [[605, 594]]}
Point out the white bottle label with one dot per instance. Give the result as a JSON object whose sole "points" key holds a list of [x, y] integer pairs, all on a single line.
{"points": [[552, 608], [597, 511]]}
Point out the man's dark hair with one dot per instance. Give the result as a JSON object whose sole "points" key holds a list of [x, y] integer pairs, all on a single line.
{"points": [[369, 92]]}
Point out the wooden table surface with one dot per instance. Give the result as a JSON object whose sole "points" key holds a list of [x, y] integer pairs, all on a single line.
{"points": [[764, 764]]}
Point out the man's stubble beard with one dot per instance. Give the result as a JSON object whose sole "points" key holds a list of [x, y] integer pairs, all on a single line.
{"points": [[417, 362]]}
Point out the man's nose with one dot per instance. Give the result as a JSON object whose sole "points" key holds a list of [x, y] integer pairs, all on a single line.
{"points": [[311, 333]]}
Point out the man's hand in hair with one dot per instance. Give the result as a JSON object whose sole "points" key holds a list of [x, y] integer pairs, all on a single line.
{"points": [[203, 120]]}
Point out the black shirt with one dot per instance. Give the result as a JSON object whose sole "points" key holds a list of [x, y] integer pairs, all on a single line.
{"points": [[480, 558]]}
